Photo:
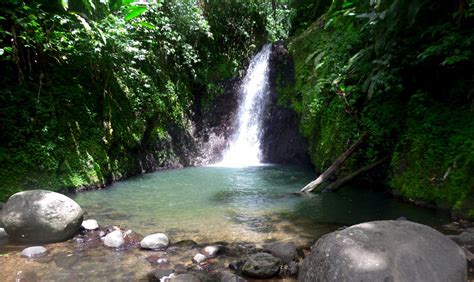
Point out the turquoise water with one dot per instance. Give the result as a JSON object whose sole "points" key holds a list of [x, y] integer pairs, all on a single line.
{"points": [[240, 204]]}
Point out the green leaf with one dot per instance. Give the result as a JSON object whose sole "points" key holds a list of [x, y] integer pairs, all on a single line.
{"points": [[147, 25], [134, 12]]}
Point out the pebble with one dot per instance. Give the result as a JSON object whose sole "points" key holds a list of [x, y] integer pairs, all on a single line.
{"points": [[198, 258], [211, 251], [114, 239], [155, 241], [34, 252], [90, 224]]}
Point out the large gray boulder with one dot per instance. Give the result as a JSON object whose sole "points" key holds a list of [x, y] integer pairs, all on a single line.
{"points": [[385, 251], [41, 216]]}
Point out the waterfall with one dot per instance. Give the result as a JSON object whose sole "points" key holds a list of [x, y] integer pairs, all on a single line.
{"points": [[244, 147]]}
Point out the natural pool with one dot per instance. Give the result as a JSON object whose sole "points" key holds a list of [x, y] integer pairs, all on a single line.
{"points": [[241, 206], [255, 204]]}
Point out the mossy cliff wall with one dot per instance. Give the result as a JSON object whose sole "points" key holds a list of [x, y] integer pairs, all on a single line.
{"points": [[403, 76]]}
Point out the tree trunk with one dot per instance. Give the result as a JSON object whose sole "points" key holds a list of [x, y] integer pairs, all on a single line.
{"points": [[341, 181], [334, 166]]}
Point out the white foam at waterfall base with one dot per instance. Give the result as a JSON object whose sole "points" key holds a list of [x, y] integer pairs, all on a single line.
{"points": [[244, 147]]}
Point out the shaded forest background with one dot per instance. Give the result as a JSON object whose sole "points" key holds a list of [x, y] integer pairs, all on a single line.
{"points": [[91, 90]]}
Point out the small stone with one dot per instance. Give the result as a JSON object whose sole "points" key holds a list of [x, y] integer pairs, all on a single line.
{"points": [[155, 241], [402, 218], [114, 239], [162, 261], [211, 251], [198, 258], [261, 265], [163, 273], [90, 224], [34, 252]]}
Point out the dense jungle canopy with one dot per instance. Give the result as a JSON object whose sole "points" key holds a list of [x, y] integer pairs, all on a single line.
{"points": [[91, 89]]}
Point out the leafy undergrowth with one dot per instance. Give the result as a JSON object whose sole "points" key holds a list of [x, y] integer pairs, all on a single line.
{"points": [[395, 71]]}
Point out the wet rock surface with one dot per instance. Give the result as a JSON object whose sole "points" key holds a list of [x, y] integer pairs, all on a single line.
{"points": [[281, 140], [385, 251], [114, 239], [284, 251], [261, 265], [155, 241], [34, 252], [90, 224], [41, 216]]}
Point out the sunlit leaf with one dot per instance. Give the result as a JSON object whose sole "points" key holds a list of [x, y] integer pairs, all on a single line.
{"points": [[134, 12], [147, 25]]}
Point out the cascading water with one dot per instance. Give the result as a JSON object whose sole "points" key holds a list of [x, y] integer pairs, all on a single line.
{"points": [[244, 149]]}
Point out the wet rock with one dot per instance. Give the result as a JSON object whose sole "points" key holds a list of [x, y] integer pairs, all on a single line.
{"points": [[466, 238], [3, 234], [34, 252], [469, 230], [211, 251], [390, 250], [261, 265], [114, 239], [156, 260], [284, 251], [185, 244], [198, 258], [293, 268], [90, 224], [26, 276], [155, 241], [65, 260], [236, 265], [455, 238], [187, 277], [163, 273], [132, 239], [230, 277], [41, 216]]}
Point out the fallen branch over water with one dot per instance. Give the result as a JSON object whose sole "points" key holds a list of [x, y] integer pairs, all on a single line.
{"points": [[334, 166], [341, 181]]}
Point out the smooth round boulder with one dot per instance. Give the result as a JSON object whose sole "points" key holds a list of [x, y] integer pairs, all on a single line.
{"points": [[155, 241], [392, 250], [34, 252], [41, 216], [261, 265]]}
